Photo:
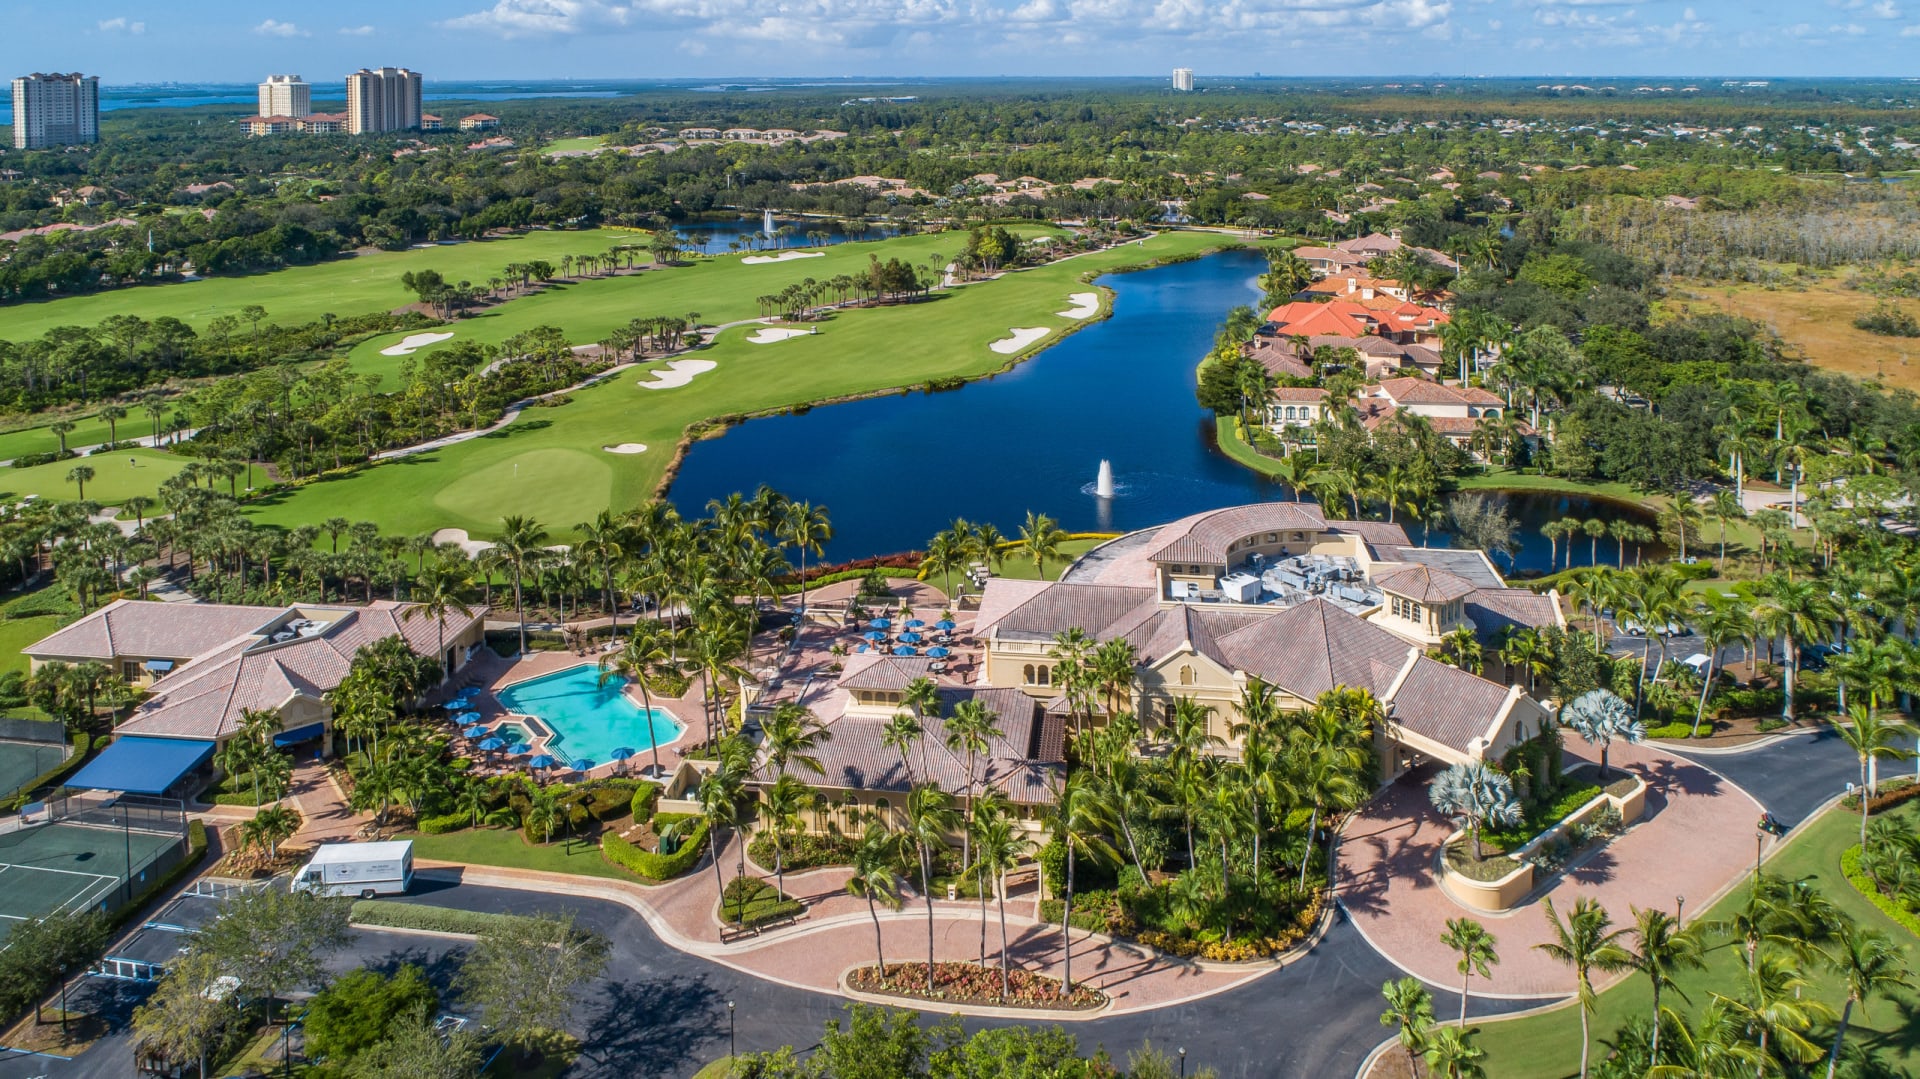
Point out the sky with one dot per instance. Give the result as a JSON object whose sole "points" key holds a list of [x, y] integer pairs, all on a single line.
{"points": [[127, 41]]}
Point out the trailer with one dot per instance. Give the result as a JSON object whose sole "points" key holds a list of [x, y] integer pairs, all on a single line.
{"points": [[361, 869]]}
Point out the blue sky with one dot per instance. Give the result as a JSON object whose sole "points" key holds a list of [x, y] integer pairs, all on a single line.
{"points": [[226, 40]]}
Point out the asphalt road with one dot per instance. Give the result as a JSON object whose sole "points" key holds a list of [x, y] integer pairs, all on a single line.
{"points": [[1795, 775], [661, 1013]]}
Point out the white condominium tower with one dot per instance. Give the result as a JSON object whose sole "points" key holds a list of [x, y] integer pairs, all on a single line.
{"points": [[286, 95], [1183, 78], [55, 110], [384, 100]]}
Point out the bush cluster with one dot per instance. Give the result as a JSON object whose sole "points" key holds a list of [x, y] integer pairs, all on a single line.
{"points": [[970, 983], [653, 865], [804, 851], [750, 902]]}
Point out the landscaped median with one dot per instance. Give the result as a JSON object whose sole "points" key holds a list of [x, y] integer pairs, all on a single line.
{"points": [[972, 985], [1501, 881]]}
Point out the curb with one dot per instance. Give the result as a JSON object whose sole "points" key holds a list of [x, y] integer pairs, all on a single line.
{"points": [[1767, 742]]}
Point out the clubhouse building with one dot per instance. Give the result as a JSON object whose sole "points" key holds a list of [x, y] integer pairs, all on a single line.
{"points": [[1274, 591], [205, 664]]}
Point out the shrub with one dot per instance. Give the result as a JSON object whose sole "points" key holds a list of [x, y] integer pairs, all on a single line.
{"points": [[1888, 321], [1856, 876], [654, 866], [348, 1017], [31, 460], [971, 983], [804, 851], [645, 797], [750, 902], [444, 823], [1892, 793]]}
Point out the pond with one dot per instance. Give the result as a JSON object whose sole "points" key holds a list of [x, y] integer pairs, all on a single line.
{"points": [[713, 237], [894, 470]]}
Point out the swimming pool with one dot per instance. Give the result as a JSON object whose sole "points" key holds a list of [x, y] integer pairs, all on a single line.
{"points": [[589, 719]]}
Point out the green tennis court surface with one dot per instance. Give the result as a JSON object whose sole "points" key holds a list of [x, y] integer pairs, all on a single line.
{"points": [[21, 762], [70, 867]]}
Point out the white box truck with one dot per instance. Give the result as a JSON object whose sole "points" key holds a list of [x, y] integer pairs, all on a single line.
{"points": [[362, 869]]}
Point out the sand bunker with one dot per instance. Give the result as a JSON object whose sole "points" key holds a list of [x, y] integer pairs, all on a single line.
{"points": [[1084, 304], [784, 256], [1020, 339], [459, 536], [770, 334], [414, 341], [627, 447], [678, 373]]}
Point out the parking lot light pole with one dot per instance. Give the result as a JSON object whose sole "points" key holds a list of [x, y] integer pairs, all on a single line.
{"points": [[1679, 912], [1183, 1062], [730, 1029]]}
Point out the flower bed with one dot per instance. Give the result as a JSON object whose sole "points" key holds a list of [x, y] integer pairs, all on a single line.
{"points": [[1105, 912], [1892, 793], [971, 984]]}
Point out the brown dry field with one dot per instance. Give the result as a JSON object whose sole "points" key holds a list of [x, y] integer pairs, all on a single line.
{"points": [[1817, 322]]}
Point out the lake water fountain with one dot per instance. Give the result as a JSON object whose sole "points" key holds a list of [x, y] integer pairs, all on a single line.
{"points": [[766, 222], [1103, 483]]}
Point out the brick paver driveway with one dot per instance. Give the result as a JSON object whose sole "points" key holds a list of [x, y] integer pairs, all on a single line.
{"points": [[1696, 839]]}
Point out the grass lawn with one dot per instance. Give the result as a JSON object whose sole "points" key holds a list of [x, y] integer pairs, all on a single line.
{"points": [[578, 142], [550, 463], [114, 481], [1548, 1046], [17, 633], [1022, 569], [87, 431], [344, 286], [504, 847]]}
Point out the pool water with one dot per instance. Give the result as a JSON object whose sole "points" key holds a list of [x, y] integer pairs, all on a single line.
{"points": [[589, 719]]}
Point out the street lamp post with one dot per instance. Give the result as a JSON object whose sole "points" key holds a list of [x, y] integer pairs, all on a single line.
{"points": [[1183, 1062], [731, 1050], [1759, 843], [1679, 912]]}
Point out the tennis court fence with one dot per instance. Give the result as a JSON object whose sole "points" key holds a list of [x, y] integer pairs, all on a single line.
{"points": [[142, 813]]}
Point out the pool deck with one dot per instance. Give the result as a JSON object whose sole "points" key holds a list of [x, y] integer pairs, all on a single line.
{"points": [[538, 664]]}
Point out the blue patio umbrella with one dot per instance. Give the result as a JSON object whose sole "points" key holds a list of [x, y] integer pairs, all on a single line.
{"points": [[910, 637], [914, 623], [518, 748], [542, 761], [874, 635], [881, 623], [906, 650], [581, 764], [620, 753], [860, 650], [939, 653], [467, 717], [492, 744], [476, 731], [945, 625]]}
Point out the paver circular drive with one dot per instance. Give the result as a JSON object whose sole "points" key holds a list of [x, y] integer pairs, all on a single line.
{"points": [[1696, 839]]}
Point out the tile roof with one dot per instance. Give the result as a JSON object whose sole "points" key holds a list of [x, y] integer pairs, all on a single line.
{"points": [[148, 629], [872, 671], [1316, 394], [1205, 537], [1494, 609], [1448, 705], [1092, 607], [1425, 584], [1314, 646], [1466, 562], [1000, 596]]}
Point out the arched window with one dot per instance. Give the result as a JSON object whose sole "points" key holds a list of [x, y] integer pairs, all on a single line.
{"points": [[1046, 675], [1290, 412], [1027, 673], [1186, 675], [883, 812], [1519, 730]]}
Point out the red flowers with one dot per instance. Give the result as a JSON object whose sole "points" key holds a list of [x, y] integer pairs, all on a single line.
{"points": [[968, 983]]}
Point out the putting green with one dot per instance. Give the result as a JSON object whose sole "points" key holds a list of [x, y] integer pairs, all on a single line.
{"points": [[559, 487], [114, 480], [472, 484]]}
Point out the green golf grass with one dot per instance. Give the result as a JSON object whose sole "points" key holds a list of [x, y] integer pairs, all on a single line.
{"points": [[577, 142], [1022, 569], [17, 633], [113, 482], [1548, 1046], [564, 475], [344, 286]]}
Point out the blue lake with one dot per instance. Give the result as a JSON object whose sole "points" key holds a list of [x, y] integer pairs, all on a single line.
{"points": [[712, 237], [894, 470]]}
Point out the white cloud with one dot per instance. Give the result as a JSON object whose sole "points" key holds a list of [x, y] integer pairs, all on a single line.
{"points": [[357, 31], [1886, 9], [122, 25], [1910, 31], [276, 28], [1852, 29]]}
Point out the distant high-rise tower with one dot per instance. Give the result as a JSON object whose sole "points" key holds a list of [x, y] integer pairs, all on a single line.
{"points": [[1183, 79], [55, 110], [383, 100], [286, 95]]}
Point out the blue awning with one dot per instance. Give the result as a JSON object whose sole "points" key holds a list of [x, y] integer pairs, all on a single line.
{"points": [[159, 665], [300, 734], [137, 765]]}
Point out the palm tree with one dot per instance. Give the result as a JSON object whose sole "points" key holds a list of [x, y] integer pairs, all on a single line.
{"points": [[436, 593], [719, 798], [999, 845], [780, 807], [790, 735], [78, 475], [602, 544], [873, 880], [1723, 620], [1871, 966], [804, 527], [930, 817], [1586, 942], [1599, 717], [1410, 1011], [522, 543], [902, 733], [272, 826], [1725, 506], [1476, 948], [1775, 1004], [971, 730], [1452, 1054], [647, 650], [1079, 821], [1661, 949], [1871, 739], [1795, 611], [1040, 539]]}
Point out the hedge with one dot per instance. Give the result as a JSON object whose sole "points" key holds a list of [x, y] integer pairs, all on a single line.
{"points": [[52, 776], [241, 798], [393, 915], [654, 866], [645, 797], [444, 823], [1892, 793], [1856, 876]]}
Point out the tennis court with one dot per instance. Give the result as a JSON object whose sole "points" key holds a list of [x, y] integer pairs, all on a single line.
{"points": [[21, 762], [72, 867]]}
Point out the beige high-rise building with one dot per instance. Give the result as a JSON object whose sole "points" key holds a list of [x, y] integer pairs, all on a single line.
{"points": [[286, 95], [55, 110], [387, 99], [1183, 79]]}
